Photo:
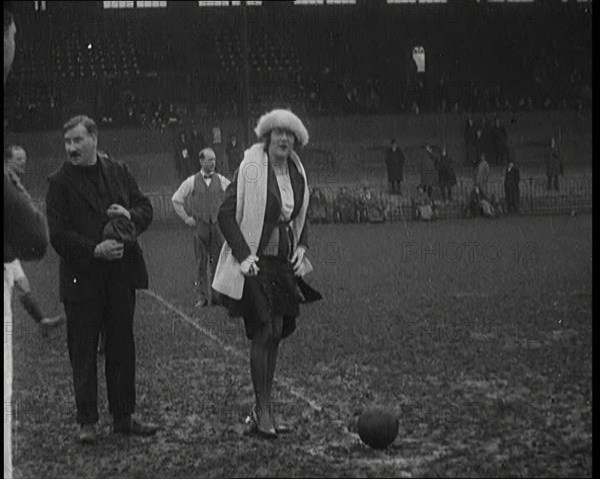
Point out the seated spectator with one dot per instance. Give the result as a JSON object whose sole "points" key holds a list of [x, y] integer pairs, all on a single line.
{"points": [[345, 207], [497, 207], [479, 205], [422, 206], [369, 207], [317, 207]]}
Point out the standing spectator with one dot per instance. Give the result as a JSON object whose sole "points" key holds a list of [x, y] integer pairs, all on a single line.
{"points": [[235, 154], [511, 187], [197, 144], [428, 170], [95, 213], [217, 146], [216, 135], [25, 238], [554, 166], [500, 142], [482, 173], [470, 135], [15, 159], [182, 156], [264, 259], [446, 175], [394, 162], [205, 191]]}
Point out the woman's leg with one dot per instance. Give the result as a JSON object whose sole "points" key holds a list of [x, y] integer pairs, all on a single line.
{"points": [[260, 352], [277, 325]]}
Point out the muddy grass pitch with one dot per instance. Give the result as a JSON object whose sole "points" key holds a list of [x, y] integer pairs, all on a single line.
{"points": [[476, 334]]}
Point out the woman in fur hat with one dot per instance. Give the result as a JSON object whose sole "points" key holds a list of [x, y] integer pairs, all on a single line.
{"points": [[263, 221]]}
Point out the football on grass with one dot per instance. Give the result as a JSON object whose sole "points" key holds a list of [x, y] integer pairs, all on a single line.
{"points": [[377, 428]]}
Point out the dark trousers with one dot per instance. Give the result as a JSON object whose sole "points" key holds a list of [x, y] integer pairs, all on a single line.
{"points": [[446, 191], [113, 312], [208, 242], [512, 206], [552, 182], [512, 196]]}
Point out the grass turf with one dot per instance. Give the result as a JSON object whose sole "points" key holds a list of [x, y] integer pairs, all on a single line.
{"points": [[476, 333]]}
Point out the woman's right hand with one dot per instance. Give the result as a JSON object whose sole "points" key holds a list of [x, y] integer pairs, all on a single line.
{"points": [[249, 266]]}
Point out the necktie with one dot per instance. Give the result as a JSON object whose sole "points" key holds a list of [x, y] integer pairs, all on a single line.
{"points": [[207, 177]]}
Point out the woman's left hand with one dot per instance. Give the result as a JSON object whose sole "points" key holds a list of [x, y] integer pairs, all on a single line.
{"points": [[297, 257]]}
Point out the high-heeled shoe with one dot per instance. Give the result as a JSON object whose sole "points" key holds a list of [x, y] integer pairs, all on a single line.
{"points": [[255, 428], [281, 428]]}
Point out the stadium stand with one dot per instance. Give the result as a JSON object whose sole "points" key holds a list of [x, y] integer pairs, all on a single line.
{"points": [[159, 68]]}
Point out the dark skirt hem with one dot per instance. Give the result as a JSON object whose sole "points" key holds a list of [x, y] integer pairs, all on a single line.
{"points": [[273, 292]]}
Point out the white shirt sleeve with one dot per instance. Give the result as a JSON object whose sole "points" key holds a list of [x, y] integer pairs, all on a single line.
{"points": [[179, 197], [224, 182], [13, 272]]}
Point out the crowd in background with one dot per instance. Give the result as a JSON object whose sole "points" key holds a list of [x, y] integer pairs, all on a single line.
{"points": [[144, 73]]}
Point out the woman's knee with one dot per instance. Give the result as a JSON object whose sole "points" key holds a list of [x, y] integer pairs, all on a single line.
{"points": [[277, 329], [270, 332], [264, 336]]}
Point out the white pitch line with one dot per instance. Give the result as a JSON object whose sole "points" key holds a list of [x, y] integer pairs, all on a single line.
{"points": [[294, 391], [286, 383]]}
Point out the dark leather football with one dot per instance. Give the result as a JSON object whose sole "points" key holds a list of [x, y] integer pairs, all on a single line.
{"points": [[377, 428]]}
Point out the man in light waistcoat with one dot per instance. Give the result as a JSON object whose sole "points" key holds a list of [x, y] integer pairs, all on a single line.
{"points": [[197, 203]]}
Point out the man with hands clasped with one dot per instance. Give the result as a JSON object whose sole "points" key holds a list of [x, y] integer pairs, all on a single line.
{"points": [[95, 213]]}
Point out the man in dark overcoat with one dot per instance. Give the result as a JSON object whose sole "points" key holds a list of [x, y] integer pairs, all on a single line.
{"points": [[394, 162], [95, 214]]}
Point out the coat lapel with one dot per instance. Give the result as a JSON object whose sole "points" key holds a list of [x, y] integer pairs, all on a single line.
{"points": [[273, 186], [111, 181], [297, 181]]}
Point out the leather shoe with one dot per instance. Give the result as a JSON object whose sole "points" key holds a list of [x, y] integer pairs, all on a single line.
{"points": [[132, 427], [87, 434]]}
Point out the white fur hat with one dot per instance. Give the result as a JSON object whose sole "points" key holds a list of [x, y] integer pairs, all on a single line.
{"points": [[282, 119]]}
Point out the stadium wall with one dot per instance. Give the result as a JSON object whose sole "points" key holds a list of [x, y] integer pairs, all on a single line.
{"points": [[350, 146]]}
